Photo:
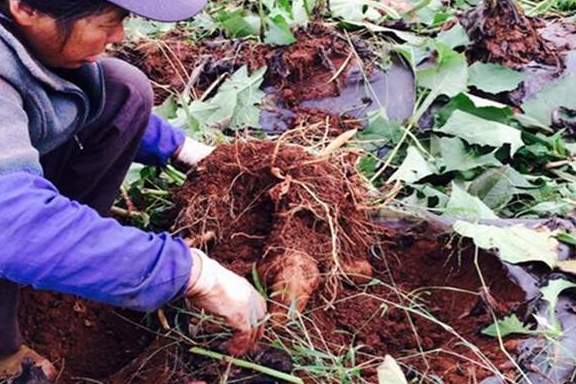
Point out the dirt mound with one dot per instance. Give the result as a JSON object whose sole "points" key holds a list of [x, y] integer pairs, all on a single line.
{"points": [[293, 214], [301, 71], [501, 33], [429, 309]]}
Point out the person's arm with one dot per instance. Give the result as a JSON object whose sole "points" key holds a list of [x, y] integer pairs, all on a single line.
{"points": [[162, 142], [51, 242]]}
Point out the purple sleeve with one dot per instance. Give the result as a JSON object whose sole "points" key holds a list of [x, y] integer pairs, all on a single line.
{"points": [[53, 243], [161, 139]]}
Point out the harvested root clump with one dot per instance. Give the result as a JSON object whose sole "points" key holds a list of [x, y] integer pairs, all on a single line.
{"points": [[295, 215]]}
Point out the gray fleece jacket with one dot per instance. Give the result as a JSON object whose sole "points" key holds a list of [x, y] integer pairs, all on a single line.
{"points": [[40, 110]]}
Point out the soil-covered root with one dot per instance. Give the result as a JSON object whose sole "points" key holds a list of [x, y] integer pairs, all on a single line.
{"points": [[501, 33], [292, 214]]}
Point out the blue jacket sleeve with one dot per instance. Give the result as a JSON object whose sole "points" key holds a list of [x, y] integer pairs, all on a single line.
{"points": [[53, 243], [159, 143]]}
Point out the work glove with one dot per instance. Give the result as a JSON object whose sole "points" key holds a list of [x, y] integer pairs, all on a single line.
{"points": [[192, 152], [223, 293]]}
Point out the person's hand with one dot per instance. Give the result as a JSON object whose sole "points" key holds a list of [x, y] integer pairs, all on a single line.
{"points": [[223, 293], [192, 152]]}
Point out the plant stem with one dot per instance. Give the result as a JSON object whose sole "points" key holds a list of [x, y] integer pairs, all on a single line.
{"points": [[308, 10], [154, 192], [246, 364], [262, 16], [178, 177]]}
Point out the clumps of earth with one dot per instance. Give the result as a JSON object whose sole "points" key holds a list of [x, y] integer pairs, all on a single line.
{"points": [[311, 68], [501, 33], [294, 215], [300, 221]]}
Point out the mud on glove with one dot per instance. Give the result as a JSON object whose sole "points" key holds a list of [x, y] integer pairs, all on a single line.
{"points": [[223, 293]]}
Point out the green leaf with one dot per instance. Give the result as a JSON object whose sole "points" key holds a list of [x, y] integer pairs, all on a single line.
{"points": [[235, 104], [551, 294], [137, 27], [477, 106], [413, 168], [476, 130], [567, 238], [168, 108], [379, 132], [508, 326], [367, 166], [548, 100], [552, 291], [203, 21], [389, 372], [409, 37], [454, 37], [279, 32], [449, 76], [515, 244], [553, 208], [494, 78], [452, 155], [463, 206], [354, 11], [248, 95], [497, 187], [238, 24], [300, 12], [134, 173], [428, 13]]}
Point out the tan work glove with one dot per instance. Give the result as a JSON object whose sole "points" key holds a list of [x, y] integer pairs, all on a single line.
{"points": [[223, 293], [192, 152]]}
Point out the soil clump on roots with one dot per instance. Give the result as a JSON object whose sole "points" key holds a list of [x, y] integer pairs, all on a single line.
{"points": [[293, 214]]}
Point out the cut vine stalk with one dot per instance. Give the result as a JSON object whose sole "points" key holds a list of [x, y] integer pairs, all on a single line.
{"points": [[246, 364]]}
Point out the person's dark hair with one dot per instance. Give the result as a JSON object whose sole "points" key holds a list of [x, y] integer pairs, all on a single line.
{"points": [[68, 12]]}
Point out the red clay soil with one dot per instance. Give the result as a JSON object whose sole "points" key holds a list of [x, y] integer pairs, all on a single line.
{"points": [[298, 72], [412, 261], [84, 339], [501, 33]]}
